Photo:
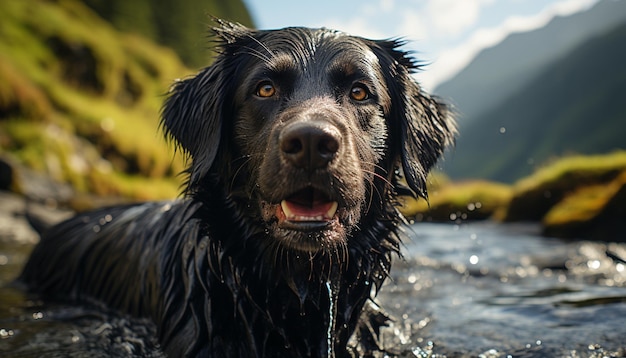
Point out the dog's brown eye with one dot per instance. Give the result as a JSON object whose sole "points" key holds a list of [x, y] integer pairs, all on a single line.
{"points": [[359, 93], [265, 89]]}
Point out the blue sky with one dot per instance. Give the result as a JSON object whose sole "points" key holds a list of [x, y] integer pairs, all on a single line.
{"points": [[446, 34]]}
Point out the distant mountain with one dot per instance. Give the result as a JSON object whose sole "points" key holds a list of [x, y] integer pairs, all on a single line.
{"points": [[499, 71], [506, 73], [574, 105]]}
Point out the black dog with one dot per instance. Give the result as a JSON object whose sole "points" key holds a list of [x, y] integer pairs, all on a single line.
{"points": [[297, 139]]}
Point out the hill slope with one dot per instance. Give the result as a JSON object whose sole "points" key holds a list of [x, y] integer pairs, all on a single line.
{"points": [[180, 25], [575, 105], [498, 72], [80, 100]]}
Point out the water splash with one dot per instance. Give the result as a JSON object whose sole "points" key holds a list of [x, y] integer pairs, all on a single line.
{"points": [[332, 316]]}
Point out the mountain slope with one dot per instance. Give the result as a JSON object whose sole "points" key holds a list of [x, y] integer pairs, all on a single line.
{"points": [[576, 105], [498, 72]]}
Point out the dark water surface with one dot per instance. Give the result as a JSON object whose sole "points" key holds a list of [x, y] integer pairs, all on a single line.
{"points": [[470, 290], [502, 290]]}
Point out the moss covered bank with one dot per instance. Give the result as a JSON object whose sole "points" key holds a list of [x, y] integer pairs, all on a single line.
{"points": [[573, 197]]}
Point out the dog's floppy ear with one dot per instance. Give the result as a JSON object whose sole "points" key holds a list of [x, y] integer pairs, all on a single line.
{"points": [[421, 126], [194, 113], [426, 129]]}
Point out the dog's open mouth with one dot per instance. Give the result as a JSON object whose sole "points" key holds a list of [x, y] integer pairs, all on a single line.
{"points": [[307, 209]]}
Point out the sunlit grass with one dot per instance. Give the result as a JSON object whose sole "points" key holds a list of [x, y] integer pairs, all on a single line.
{"points": [[582, 205], [568, 189], [573, 171], [135, 187], [466, 200], [17, 91], [98, 132], [535, 195]]}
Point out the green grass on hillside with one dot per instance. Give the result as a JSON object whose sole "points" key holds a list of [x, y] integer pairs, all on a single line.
{"points": [[80, 101], [469, 200], [573, 189], [534, 195]]}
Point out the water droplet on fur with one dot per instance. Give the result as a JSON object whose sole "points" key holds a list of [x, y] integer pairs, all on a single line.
{"points": [[6, 333]]}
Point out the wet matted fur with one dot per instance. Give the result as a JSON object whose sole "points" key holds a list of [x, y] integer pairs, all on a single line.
{"points": [[297, 139]]}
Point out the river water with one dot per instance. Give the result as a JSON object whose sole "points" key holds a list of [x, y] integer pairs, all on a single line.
{"points": [[469, 290]]}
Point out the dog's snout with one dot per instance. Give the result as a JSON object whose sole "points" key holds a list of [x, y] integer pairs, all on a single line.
{"points": [[309, 145]]}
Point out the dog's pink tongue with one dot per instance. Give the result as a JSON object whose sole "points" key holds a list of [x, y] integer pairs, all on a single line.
{"points": [[316, 212]]}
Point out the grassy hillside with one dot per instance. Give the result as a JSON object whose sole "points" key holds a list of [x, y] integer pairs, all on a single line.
{"points": [[573, 106], [573, 197], [178, 24], [80, 101]]}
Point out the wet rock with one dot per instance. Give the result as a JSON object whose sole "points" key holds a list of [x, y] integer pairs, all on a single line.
{"points": [[610, 221], [34, 186], [16, 216], [593, 212], [6, 175], [13, 225], [533, 202], [29, 200]]}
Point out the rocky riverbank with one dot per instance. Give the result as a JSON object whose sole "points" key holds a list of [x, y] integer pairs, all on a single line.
{"points": [[580, 197], [30, 201]]}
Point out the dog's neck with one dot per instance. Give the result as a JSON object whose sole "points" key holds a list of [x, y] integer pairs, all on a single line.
{"points": [[293, 297]]}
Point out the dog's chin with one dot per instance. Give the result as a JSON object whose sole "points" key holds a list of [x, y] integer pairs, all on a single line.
{"points": [[321, 227], [310, 238]]}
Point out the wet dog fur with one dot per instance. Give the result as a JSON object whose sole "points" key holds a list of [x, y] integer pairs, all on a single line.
{"points": [[299, 141]]}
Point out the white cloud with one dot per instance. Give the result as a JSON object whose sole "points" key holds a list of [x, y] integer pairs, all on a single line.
{"points": [[412, 26], [568, 7], [451, 17]]}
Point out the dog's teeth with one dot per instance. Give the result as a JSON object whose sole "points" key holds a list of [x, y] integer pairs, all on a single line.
{"points": [[286, 210], [331, 212], [291, 214]]}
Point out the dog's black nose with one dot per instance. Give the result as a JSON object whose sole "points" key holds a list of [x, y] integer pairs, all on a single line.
{"points": [[309, 145]]}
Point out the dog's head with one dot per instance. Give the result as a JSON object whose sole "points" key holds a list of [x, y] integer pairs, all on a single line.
{"points": [[309, 129]]}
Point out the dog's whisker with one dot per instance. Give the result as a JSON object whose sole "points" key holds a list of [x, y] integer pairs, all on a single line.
{"points": [[376, 166], [374, 188], [264, 46], [376, 175], [239, 169], [256, 53]]}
